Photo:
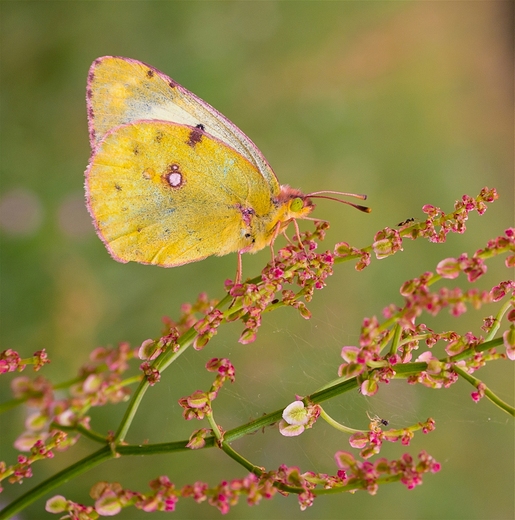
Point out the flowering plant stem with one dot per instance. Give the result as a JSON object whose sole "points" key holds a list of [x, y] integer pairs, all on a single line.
{"points": [[385, 352]]}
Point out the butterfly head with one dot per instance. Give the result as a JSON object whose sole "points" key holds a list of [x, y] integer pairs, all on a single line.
{"points": [[294, 204]]}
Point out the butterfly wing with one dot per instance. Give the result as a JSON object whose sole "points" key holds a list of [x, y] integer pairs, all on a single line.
{"points": [[168, 194], [123, 90]]}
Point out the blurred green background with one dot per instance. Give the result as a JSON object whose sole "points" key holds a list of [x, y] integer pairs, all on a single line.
{"points": [[409, 102]]}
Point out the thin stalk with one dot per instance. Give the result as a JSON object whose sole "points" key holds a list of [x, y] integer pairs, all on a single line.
{"points": [[488, 393], [56, 480]]}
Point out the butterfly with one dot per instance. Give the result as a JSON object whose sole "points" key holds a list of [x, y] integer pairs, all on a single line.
{"points": [[171, 180]]}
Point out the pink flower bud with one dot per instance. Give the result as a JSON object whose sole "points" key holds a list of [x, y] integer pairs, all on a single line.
{"points": [[448, 268]]}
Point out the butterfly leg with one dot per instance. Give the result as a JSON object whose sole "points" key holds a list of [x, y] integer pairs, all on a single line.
{"points": [[238, 269], [275, 234], [297, 232]]}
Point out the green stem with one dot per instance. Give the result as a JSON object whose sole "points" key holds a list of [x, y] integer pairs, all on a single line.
{"points": [[12, 403], [161, 364], [355, 485], [396, 339], [337, 425], [488, 393], [487, 345], [90, 434], [51, 483], [497, 323], [257, 470], [214, 427]]}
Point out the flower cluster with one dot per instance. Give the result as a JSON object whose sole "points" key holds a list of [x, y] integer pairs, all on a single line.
{"points": [[344, 251], [111, 498], [386, 349], [150, 349], [455, 221], [41, 449], [368, 475], [152, 374], [359, 360], [435, 228], [206, 328], [99, 382], [189, 311], [298, 264], [198, 404], [10, 361], [370, 442], [372, 366]]}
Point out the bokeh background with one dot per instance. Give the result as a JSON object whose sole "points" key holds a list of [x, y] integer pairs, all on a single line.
{"points": [[409, 102]]}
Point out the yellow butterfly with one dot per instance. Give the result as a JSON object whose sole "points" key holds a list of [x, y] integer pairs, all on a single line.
{"points": [[170, 179]]}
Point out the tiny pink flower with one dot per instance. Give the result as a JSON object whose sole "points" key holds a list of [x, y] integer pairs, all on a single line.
{"points": [[448, 268], [358, 440], [152, 374], [369, 387], [350, 354], [290, 430], [92, 384], [108, 504], [499, 291], [345, 460], [147, 350], [27, 440], [56, 504], [383, 248], [198, 438], [10, 361], [509, 342]]}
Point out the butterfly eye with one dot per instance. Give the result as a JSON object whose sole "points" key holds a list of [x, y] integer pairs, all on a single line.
{"points": [[296, 204]]}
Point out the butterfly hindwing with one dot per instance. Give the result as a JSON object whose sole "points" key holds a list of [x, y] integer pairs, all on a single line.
{"points": [[169, 194]]}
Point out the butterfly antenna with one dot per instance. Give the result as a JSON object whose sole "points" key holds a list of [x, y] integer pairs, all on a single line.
{"points": [[321, 195]]}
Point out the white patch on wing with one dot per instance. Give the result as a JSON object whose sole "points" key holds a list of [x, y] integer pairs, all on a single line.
{"points": [[173, 113]]}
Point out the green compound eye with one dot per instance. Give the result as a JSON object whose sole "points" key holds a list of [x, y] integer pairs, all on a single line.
{"points": [[296, 204]]}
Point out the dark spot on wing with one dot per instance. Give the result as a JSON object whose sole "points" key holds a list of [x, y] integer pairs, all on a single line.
{"points": [[150, 73], [159, 137], [195, 136], [118, 187]]}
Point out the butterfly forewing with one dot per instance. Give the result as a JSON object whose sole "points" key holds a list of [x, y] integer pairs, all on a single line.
{"points": [[122, 90]]}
